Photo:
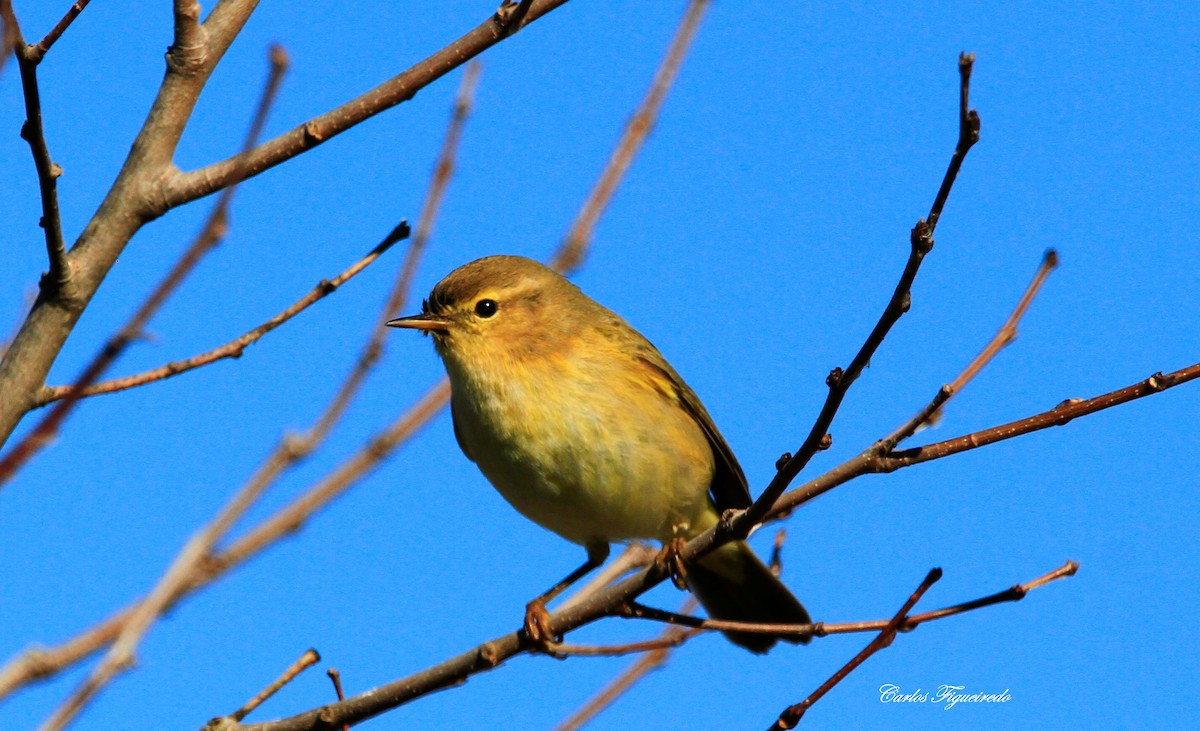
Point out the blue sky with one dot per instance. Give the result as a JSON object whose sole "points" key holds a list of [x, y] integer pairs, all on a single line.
{"points": [[755, 242]]}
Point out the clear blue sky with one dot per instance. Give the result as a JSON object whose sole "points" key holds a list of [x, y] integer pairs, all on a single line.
{"points": [[755, 242]]}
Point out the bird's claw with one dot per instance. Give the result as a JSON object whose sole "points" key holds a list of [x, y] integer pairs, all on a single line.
{"points": [[537, 624], [671, 563]]}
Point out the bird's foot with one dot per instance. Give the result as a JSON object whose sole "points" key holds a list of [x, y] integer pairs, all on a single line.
{"points": [[671, 564], [537, 626]]}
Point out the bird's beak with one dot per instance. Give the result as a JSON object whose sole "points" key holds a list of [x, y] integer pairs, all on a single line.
{"points": [[425, 321]]}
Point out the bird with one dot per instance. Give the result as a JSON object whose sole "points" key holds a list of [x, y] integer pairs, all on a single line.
{"points": [[584, 427]]}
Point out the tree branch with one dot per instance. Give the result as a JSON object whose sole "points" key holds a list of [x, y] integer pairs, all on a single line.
{"points": [[234, 348], [1003, 337], [839, 381], [635, 134], [211, 233], [38, 50], [792, 715], [185, 187], [58, 279], [1065, 412], [670, 638], [304, 662], [490, 654]]}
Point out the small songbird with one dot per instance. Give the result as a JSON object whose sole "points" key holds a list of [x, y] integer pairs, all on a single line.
{"points": [[584, 427]]}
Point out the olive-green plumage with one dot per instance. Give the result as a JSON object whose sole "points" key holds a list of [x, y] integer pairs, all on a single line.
{"points": [[583, 426]]}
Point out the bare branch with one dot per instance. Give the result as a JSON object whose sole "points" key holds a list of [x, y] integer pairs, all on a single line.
{"points": [[652, 660], [634, 610], [1012, 594], [1008, 331], [38, 50], [882, 457], [1003, 337], [968, 135], [443, 169], [792, 715], [58, 279], [575, 243], [307, 660], [490, 654], [8, 32], [839, 381], [234, 348], [336, 677], [186, 187], [871, 461], [211, 233], [292, 448], [1063, 413]]}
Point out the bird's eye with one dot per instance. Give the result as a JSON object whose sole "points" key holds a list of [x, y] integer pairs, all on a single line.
{"points": [[486, 308]]}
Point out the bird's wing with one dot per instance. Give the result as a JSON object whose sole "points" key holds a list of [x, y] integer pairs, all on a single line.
{"points": [[729, 488]]}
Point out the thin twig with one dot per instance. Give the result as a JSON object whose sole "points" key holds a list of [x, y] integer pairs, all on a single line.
{"points": [[380, 446], [1003, 337], [490, 654], [656, 657], [58, 279], [968, 134], [38, 50], [443, 170], [293, 448], [652, 660], [189, 186], [578, 237], [634, 610], [336, 677], [211, 233], [870, 460], [665, 642], [1063, 413], [307, 660], [635, 555], [1012, 594], [792, 715], [234, 348], [839, 381], [776, 562], [1008, 331], [8, 32]]}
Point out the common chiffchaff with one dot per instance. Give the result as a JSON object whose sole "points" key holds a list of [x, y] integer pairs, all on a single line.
{"points": [[584, 427]]}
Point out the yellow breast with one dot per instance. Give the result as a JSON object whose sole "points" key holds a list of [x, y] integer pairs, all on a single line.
{"points": [[583, 440]]}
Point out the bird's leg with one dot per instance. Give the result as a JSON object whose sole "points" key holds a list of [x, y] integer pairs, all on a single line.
{"points": [[537, 619], [669, 562]]}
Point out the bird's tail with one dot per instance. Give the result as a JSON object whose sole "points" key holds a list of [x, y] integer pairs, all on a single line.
{"points": [[733, 584]]}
